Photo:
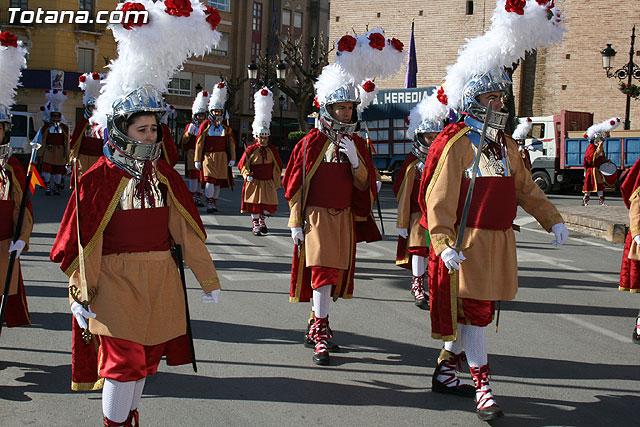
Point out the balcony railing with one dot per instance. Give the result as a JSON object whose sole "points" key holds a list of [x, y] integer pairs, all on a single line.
{"points": [[91, 27]]}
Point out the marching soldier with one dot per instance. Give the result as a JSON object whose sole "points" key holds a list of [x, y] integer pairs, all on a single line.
{"points": [[130, 209], [215, 152], [55, 143], [12, 184], [594, 157], [261, 167], [472, 259], [188, 142]]}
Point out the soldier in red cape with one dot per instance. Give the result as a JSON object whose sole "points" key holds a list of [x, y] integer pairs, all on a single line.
{"points": [[413, 247], [12, 185], [188, 142], [215, 152], [55, 144], [261, 167], [594, 157]]}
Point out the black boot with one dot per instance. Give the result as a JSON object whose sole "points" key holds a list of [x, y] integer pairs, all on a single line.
{"points": [[448, 365]]}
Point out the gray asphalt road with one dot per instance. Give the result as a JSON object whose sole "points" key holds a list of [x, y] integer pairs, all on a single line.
{"points": [[562, 356]]}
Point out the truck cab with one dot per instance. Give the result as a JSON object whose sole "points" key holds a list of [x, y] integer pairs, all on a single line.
{"points": [[23, 131]]}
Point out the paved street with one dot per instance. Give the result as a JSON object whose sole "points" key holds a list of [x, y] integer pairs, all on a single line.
{"points": [[562, 356]]}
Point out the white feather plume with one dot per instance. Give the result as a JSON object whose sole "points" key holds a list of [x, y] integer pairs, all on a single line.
{"points": [[505, 43], [263, 105], [430, 109], [366, 98], [201, 103], [599, 129], [150, 54], [218, 96], [91, 86], [56, 99], [12, 61], [523, 128]]}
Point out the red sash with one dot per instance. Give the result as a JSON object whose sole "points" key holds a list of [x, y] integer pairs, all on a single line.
{"points": [[214, 144], [91, 146], [263, 172], [331, 186], [55, 139], [6, 219], [137, 230], [493, 206]]}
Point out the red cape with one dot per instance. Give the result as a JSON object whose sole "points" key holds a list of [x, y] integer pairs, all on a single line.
{"points": [[169, 149], [253, 147], [17, 310], [100, 190], [591, 166], [78, 132], [631, 183], [402, 256]]}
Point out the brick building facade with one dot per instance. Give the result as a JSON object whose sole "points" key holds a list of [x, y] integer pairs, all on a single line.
{"points": [[566, 76]]}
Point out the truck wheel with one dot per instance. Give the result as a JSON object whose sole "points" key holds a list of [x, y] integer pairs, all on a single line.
{"points": [[542, 179]]}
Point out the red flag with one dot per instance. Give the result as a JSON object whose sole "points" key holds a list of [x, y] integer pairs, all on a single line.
{"points": [[36, 179]]}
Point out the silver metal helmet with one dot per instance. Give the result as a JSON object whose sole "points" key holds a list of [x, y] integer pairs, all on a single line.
{"points": [[263, 130], [420, 148], [332, 127], [88, 111], [128, 153], [491, 81]]}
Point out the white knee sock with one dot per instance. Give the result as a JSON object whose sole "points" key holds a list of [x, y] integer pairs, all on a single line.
{"points": [[46, 176], [600, 193], [321, 301], [116, 399], [475, 344], [57, 178], [418, 265], [216, 191], [137, 393], [456, 347], [209, 190], [255, 216], [192, 184]]}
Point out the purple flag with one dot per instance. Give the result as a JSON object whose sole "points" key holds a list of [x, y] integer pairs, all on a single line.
{"points": [[412, 65]]}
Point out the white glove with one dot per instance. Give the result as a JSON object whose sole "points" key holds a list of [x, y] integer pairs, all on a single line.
{"points": [[17, 246], [561, 233], [348, 147], [637, 239], [199, 165], [82, 315], [210, 297], [68, 168], [451, 258], [249, 178], [403, 232], [297, 235], [231, 163], [379, 185]]}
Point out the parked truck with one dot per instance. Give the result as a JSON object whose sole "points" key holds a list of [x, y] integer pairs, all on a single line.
{"points": [[558, 145]]}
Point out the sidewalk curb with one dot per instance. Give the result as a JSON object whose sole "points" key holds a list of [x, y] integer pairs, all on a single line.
{"points": [[611, 230]]}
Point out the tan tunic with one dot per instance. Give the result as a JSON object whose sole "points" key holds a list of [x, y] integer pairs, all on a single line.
{"points": [[634, 227], [490, 271], [57, 155], [140, 296], [329, 232], [406, 219], [258, 190], [216, 164], [25, 233]]}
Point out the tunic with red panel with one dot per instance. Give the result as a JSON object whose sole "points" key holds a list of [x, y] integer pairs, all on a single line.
{"points": [[169, 149], [55, 139], [127, 258], [265, 166], [188, 142], [337, 214], [12, 182], [593, 158], [86, 146], [215, 147], [406, 188], [630, 269], [489, 272]]}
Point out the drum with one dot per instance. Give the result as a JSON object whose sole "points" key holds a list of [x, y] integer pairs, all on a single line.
{"points": [[609, 172], [608, 168]]}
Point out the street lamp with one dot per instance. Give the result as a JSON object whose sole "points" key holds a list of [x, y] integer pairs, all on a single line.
{"points": [[281, 70], [628, 71], [281, 100], [252, 71]]}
